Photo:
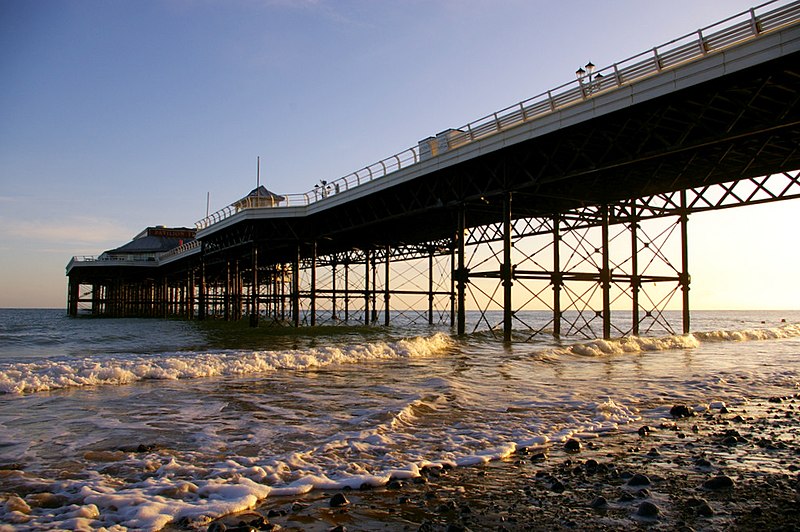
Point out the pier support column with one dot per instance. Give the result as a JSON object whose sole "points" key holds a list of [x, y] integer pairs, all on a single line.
{"points": [[386, 294], [605, 277], [201, 296], [636, 281], [254, 310], [556, 278], [313, 291], [461, 273], [73, 294], [333, 290], [506, 270], [430, 286], [366, 287], [685, 278], [374, 288], [296, 288], [346, 292]]}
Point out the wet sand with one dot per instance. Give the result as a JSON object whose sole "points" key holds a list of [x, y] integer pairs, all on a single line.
{"points": [[733, 468]]}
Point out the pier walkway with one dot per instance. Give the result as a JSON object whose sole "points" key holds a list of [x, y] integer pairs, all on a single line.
{"points": [[575, 201]]}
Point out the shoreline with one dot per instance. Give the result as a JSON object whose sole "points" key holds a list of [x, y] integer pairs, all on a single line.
{"points": [[732, 468]]}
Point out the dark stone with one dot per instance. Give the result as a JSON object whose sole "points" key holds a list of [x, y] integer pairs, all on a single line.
{"points": [[394, 484], [648, 509], [539, 457], [639, 480], [557, 486], [705, 510], [775, 399], [625, 497], [718, 483], [702, 462], [644, 431], [452, 527], [299, 506], [572, 446], [591, 466], [339, 500], [216, 526], [599, 503], [724, 410], [653, 452], [340, 528], [680, 411], [643, 493], [730, 441]]}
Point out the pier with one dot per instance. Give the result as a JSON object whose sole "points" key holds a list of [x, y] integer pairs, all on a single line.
{"points": [[577, 201]]}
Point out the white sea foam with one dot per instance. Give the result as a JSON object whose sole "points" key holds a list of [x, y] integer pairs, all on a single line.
{"points": [[635, 344], [118, 370]]}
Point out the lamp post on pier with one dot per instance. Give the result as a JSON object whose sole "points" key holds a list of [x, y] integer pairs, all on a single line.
{"points": [[587, 79]]}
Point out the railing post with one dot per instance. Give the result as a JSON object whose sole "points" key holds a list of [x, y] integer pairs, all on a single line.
{"points": [[754, 22]]}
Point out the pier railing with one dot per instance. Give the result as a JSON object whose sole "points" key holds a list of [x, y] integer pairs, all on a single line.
{"points": [[731, 31], [151, 259]]}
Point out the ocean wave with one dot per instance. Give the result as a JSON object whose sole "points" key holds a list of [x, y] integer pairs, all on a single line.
{"points": [[635, 344], [47, 375]]}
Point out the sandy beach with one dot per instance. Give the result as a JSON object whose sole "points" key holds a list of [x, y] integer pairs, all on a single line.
{"points": [[728, 468]]}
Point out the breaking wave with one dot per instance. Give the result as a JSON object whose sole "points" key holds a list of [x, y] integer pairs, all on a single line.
{"points": [[126, 369]]}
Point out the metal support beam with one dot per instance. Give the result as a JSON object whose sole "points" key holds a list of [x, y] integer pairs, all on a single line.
{"points": [[461, 272], [506, 270], [685, 277], [430, 287], [366, 287], [386, 294], [313, 293], [254, 310], [296, 288], [605, 277], [636, 281], [555, 278]]}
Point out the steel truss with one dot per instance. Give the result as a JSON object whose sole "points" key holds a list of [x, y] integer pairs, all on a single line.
{"points": [[586, 265]]}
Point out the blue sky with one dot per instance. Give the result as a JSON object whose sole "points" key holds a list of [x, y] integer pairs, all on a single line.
{"points": [[117, 115]]}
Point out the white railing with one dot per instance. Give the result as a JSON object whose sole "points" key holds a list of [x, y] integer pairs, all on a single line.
{"points": [[180, 250], [733, 30], [152, 259]]}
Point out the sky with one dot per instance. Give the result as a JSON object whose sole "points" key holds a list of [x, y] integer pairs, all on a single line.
{"points": [[118, 115]]}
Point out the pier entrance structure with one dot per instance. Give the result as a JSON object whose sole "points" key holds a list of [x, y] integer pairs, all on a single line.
{"points": [[576, 201]]}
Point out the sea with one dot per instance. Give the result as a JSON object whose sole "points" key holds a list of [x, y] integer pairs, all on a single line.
{"points": [[140, 424]]}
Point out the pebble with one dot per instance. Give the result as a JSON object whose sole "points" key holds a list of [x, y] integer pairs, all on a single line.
{"points": [[339, 500], [599, 502], [648, 509], [718, 483], [639, 480], [572, 446], [680, 411]]}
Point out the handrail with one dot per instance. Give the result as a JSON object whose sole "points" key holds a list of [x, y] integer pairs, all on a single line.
{"points": [[714, 38]]}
